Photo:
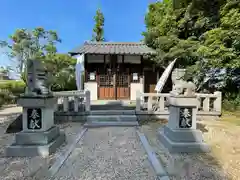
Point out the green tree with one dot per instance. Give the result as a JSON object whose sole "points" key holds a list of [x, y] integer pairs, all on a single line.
{"points": [[25, 44], [62, 68], [98, 30], [203, 35], [40, 44], [5, 70]]}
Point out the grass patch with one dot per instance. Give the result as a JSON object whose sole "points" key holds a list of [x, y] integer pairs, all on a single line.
{"points": [[231, 117], [221, 136]]}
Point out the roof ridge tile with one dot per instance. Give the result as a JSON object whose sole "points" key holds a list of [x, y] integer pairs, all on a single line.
{"points": [[136, 48]]}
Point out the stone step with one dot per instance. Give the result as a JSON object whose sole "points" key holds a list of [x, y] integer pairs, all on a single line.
{"points": [[107, 124], [112, 118], [112, 112]]}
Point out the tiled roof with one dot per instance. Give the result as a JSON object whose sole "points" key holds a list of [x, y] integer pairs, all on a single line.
{"points": [[113, 48]]}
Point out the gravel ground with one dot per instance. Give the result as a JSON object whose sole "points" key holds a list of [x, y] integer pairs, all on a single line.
{"points": [[194, 166], [107, 153], [27, 168]]}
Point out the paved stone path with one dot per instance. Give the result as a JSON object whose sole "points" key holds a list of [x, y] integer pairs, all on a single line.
{"points": [[113, 153]]}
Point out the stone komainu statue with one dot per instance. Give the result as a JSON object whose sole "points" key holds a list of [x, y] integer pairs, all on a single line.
{"points": [[37, 79], [184, 88]]}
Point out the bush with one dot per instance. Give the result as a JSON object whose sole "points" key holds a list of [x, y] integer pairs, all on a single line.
{"points": [[9, 90], [68, 85], [16, 87], [231, 102], [6, 97]]}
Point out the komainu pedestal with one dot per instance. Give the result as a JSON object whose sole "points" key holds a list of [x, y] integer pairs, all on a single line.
{"points": [[181, 134], [39, 137]]}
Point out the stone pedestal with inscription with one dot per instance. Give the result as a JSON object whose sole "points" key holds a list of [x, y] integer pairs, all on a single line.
{"points": [[180, 134], [39, 136]]}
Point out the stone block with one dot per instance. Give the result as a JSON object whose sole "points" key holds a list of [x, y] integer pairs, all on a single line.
{"points": [[183, 135], [40, 138], [182, 147], [109, 118], [29, 102], [174, 117], [35, 150], [47, 119], [43, 109], [96, 124], [181, 101]]}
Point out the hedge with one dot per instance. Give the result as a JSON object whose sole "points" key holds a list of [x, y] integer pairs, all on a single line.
{"points": [[10, 90]]}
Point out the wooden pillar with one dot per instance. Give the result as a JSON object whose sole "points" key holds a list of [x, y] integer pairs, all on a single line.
{"points": [[142, 74], [141, 66], [86, 67], [114, 70]]}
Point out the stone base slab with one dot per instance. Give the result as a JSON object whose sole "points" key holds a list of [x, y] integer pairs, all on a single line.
{"points": [[183, 101], [112, 112], [109, 124], [37, 102], [183, 135], [122, 118], [39, 138], [35, 150], [182, 147]]}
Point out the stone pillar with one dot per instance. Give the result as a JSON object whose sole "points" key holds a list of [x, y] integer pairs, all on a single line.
{"points": [[39, 137], [138, 101], [181, 134], [88, 101], [217, 105]]}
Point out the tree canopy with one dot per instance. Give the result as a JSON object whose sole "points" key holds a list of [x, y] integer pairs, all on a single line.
{"points": [[204, 35], [98, 30], [38, 43], [25, 44]]}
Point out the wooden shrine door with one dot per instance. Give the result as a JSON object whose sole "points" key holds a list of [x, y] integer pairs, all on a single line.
{"points": [[114, 81]]}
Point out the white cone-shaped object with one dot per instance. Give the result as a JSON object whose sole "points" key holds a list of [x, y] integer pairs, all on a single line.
{"points": [[161, 82], [79, 71]]}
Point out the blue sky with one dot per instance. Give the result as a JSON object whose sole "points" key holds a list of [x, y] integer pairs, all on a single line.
{"points": [[73, 19]]}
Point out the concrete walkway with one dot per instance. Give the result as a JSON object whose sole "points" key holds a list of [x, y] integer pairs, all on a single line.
{"points": [[9, 110], [112, 153]]}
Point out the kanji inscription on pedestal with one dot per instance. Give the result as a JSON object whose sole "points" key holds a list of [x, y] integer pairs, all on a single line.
{"points": [[34, 118], [185, 118]]}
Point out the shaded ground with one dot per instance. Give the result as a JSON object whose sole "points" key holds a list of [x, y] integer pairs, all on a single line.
{"points": [[112, 153], [27, 168], [222, 163]]}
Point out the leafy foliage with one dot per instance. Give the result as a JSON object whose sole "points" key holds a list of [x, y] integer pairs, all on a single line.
{"points": [[40, 44], [62, 68], [204, 36], [98, 30], [9, 90], [27, 44]]}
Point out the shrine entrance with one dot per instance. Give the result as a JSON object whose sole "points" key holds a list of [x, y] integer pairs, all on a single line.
{"points": [[113, 80]]}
